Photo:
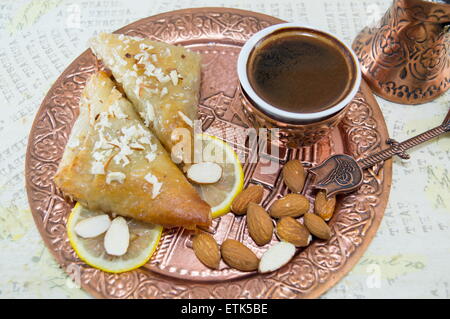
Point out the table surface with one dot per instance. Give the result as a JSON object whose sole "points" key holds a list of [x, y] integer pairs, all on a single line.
{"points": [[408, 257]]}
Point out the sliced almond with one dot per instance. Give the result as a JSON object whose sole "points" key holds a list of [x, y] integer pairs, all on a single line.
{"points": [[276, 257], [294, 175], [206, 249], [252, 194], [93, 226], [237, 255], [205, 173], [117, 237]]}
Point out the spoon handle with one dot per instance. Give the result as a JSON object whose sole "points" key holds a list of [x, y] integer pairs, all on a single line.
{"points": [[400, 148]]}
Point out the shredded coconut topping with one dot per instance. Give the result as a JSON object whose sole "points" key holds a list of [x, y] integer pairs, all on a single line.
{"points": [[149, 115], [97, 168], [186, 119], [115, 177], [174, 77], [146, 59], [116, 111], [119, 59], [167, 52], [144, 46], [164, 91], [150, 157], [132, 138], [156, 189], [73, 142]]}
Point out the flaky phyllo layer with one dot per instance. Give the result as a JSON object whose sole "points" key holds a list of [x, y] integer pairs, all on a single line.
{"points": [[115, 164], [161, 80]]}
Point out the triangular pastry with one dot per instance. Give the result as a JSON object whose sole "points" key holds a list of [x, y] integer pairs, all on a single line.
{"points": [[160, 79], [113, 163]]}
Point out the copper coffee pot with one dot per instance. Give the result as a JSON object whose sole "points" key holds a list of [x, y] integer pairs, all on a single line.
{"points": [[406, 57]]}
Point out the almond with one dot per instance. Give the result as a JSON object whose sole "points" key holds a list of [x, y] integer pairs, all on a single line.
{"points": [[290, 230], [252, 194], [276, 257], [117, 238], [323, 206], [239, 256], [204, 173], [206, 249], [293, 205], [317, 226], [93, 226], [294, 175], [259, 224]]}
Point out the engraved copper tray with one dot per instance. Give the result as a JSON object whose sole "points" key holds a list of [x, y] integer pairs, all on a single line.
{"points": [[174, 272]]}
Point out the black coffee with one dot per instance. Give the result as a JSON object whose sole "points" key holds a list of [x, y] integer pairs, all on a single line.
{"points": [[299, 71]]}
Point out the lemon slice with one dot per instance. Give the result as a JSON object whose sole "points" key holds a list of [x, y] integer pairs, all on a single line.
{"points": [[220, 194], [144, 239]]}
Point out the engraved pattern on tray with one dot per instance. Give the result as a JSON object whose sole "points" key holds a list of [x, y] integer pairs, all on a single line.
{"points": [[217, 33]]}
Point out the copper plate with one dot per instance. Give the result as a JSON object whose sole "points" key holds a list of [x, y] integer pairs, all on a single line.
{"points": [[174, 272]]}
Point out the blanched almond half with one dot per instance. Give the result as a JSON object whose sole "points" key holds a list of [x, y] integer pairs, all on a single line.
{"points": [[93, 226], [276, 257], [117, 237], [205, 173]]}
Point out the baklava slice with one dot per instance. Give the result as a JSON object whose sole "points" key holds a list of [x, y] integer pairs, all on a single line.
{"points": [[113, 163], [160, 79]]}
